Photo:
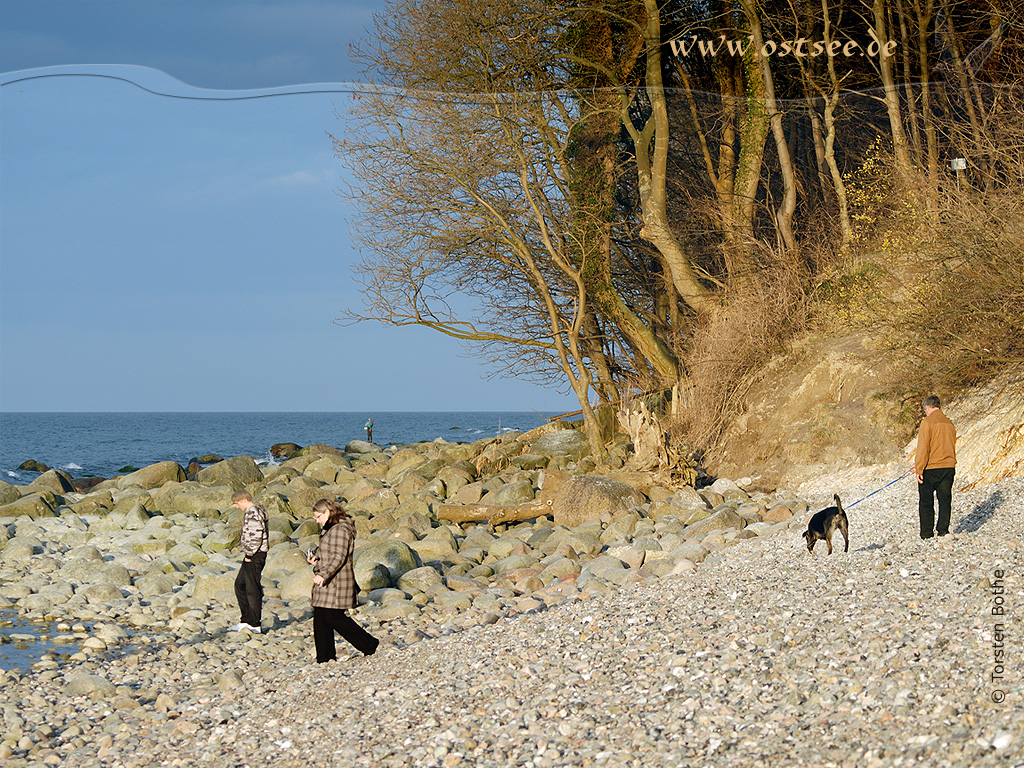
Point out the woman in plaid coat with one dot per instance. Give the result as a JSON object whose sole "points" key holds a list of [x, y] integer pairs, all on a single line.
{"points": [[334, 583]]}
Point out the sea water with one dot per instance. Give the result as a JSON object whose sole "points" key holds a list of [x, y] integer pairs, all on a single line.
{"points": [[101, 444]]}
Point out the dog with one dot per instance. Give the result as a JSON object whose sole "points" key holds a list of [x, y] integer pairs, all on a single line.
{"points": [[827, 522]]}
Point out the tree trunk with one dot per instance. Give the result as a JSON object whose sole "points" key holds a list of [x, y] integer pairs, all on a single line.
{"points": [[891, 93], [493, 513]]}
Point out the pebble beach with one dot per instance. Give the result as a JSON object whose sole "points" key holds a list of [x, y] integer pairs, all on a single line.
{"points": [[898, 652]]}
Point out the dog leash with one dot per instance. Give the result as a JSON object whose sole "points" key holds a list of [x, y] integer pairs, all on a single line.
{"points": [[858, 501]]}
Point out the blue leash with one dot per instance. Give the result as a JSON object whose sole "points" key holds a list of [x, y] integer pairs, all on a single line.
{"points": [[858, 501]]}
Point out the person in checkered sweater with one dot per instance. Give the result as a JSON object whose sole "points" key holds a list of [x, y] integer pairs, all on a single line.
{"points": [[334, 583]]}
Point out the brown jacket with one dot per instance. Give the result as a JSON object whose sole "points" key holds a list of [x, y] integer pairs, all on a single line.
{"points": [[335, 566], [936, 443]]}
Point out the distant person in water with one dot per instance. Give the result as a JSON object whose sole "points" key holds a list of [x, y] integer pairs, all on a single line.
{"points": [[255, 545], [368, 426], [334, 583]]}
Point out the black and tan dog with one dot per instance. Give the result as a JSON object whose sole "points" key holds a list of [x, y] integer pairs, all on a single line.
{"points": [[827, 522]]}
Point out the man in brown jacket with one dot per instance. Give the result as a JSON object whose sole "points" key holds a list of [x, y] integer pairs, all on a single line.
{"points": [[935, 467]]}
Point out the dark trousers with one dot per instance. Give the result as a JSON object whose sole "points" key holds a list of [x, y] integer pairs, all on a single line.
{"points": [[327, 621], [248, 589], [937, 483]]}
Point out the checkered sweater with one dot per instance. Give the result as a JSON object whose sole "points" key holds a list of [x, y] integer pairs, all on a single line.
{"points": [[335, 566]]}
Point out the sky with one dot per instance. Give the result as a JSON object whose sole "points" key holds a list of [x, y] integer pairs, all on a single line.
{"points": [[168, 242]]}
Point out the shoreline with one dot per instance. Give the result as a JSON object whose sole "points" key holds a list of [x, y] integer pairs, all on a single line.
{"points": [[476, 675]]}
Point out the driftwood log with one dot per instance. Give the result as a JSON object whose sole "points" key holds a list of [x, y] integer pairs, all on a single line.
{"points": [[494, 513]]}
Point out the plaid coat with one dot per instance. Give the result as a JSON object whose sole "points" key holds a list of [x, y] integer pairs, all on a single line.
{"points": [[335, 566]]}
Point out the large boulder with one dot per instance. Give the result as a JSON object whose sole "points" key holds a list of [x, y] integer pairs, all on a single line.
{"points": [[510, 494], [331, 469], [297, 585], [153, 476], [586, 497], [52, 480], [8, 493], [721, 520], [35, 505], [236, 472], [90, 686], [195, 500], [565, 442], [361, 446], [394, 555], [284, 450], [209, 584]]}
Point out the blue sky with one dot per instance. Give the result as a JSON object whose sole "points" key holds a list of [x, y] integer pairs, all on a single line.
{"points": [[188, 251]]}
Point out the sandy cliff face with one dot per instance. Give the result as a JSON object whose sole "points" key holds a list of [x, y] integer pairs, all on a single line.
{"points": [[990, 430], [814, 418]]}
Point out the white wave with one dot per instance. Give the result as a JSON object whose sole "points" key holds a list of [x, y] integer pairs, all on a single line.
{"points": [[71, 466]]}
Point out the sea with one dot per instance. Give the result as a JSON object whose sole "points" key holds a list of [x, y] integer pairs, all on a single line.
{"points": [[102, 444]]}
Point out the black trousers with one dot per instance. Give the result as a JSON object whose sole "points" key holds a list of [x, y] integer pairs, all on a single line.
{"points": [[937, 484], [249, 590], [327, 621]]}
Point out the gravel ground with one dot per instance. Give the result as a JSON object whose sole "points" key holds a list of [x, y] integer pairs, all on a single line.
{"points": [[890, 654]]}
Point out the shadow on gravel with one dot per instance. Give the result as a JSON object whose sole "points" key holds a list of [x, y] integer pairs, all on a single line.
{"points": [[870, 547], [981, 513]]}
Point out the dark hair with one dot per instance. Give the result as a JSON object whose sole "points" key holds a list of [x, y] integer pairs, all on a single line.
{"points": [[932, 401], [241, 495], [335, 512]]}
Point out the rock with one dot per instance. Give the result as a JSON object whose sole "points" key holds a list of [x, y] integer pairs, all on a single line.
{"points": [[53, 480], [607, 568], [631, 556], [530, 461], [31, 465], [778, 513], [237, 472], [153, 476], [379, 501], [587, 497], [21, 548], [394, 555], [468, 494], [35, 505], [221, 539], [428, 549], [155, 584], [100, 594], [581, 543], [8, 493], [298, 585], [192, 499], [373, 576], [723, 519], [331, 470], [86, 484], [361, 446], [692, 551], [92, 686], [284, 450], [419, 579], [207, 585], [509, 494], [565, 442]]}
